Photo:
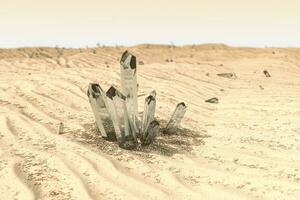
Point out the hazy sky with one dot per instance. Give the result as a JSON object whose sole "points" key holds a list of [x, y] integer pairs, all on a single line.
{"points": [[88, 22]]}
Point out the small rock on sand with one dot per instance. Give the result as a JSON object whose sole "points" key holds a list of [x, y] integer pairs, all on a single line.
{"points": [[261, 87], [212, 100], [267, 74], [61, 128], [228, 75]]}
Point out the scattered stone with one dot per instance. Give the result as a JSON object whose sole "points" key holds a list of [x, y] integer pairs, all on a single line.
{"points": [[212, 100], [267, 74], [222, 90], [261, 87], [207, 74], [61, 61], [141, 63], [228, 75], [61, 128], [128, 143], [221, 65], [54, 193]]}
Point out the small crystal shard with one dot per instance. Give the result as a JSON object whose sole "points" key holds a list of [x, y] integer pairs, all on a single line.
{"points": [[149, 111], [150, 133], [176, 118]]}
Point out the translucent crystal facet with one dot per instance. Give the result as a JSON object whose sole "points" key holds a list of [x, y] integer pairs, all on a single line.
{"points": [[101, 112], [129, 87], [176, 117]]}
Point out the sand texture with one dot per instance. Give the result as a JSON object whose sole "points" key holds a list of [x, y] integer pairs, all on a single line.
{"points": [[244, 146]]}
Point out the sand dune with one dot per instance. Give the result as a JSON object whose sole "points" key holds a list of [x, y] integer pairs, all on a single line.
{"points": [[245, 147]]}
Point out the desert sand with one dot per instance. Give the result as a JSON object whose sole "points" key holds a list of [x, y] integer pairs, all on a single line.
{"points": [[247, 146]]}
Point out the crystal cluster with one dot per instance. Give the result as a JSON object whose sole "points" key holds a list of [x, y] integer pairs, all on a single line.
{"points": [[116, 112]]}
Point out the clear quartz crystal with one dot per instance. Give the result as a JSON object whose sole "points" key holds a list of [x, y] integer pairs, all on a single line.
{"points": [[149, 111], [98, 103], [129, 87], [116, 112], [150, 133], [117, 104], [176, 117]]}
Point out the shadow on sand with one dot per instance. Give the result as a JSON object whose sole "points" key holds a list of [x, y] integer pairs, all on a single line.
{"points": [[182, 141]]}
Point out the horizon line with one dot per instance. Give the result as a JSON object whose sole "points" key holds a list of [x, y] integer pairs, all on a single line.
{"points": [[98, 45]]}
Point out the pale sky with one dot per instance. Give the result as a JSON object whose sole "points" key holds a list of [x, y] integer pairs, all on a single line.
{"points": [[77, 23]]}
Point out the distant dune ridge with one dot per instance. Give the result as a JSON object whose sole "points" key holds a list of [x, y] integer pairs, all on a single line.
{"points": [[246, 146]]}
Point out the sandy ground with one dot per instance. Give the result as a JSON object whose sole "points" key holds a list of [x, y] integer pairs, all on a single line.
{"points": [[245, 147]]}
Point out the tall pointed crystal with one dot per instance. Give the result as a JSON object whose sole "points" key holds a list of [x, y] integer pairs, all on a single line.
{"points": [[97, 101], [149, 111], [176, 117], [129, 87], [123, 126]]}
